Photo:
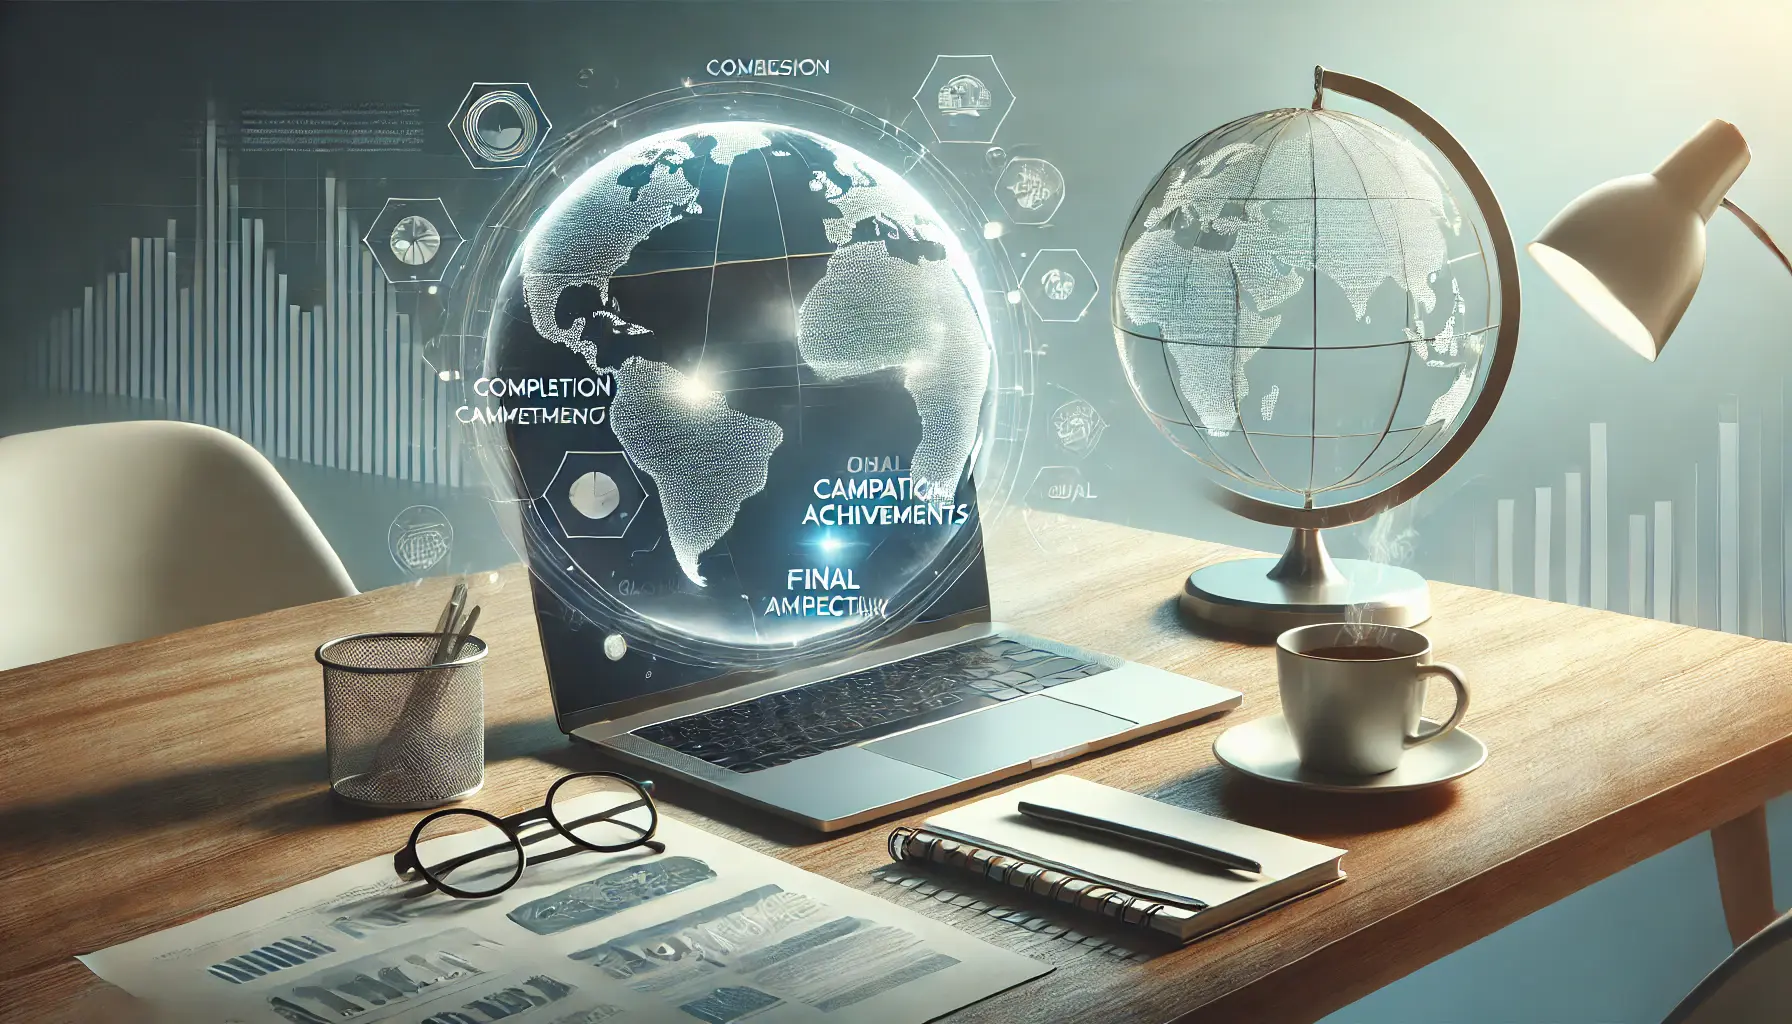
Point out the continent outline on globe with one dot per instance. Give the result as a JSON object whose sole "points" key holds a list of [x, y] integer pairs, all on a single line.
{"points": [[1235, 228], [646, 188]]}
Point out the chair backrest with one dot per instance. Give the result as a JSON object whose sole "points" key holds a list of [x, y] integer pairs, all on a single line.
{"points": [[1752, 986], [113, 532]]}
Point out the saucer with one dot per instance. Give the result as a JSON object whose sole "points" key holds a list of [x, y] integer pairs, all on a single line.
{"points": [[1264, 749]]}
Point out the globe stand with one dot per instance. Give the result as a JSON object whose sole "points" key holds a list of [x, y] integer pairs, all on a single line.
{"points": [[1266, 596]]}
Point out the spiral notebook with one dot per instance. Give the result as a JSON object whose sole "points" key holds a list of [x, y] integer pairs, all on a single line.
{"points": [[1140, 885]]}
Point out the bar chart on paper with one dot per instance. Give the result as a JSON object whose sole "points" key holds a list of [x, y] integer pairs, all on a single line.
{"points": [[1717, 552], [204, 323]]}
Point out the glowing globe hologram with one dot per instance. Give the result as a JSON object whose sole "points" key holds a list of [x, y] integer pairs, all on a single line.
{"points": [[1323, 316], [786, 300]]}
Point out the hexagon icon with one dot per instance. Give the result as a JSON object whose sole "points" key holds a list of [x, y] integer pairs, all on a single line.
{"points": [[1077, 426], [1059, 285], [413, 240], [964, 98], [499, 125], [1030, 190], [595, 495]]}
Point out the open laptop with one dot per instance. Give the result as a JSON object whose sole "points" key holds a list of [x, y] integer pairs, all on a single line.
{"points": [[952, 702], [749, 570]]}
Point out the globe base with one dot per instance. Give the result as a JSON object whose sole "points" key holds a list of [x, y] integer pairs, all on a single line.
{"points": [[1240, 595]]}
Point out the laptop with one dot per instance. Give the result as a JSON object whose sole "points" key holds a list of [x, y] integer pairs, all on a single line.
{"points": [[951, 702]]}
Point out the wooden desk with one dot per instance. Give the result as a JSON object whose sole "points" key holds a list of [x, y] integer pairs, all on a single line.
{"points": [[152, 783]]}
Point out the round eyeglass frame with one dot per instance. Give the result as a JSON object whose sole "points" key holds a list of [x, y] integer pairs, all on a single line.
{"points": [[406, 861]]}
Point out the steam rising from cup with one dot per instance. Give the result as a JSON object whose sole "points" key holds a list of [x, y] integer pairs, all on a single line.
{"points": [[1389, 542]]}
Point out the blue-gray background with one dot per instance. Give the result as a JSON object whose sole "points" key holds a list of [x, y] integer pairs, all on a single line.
{"points": [[107, 103]]}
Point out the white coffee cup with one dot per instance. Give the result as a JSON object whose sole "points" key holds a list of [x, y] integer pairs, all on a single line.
{"points": [[1352, 694]]}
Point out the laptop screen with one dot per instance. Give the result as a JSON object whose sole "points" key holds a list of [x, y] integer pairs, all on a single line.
{"points": [[588, 685], [746, 375]]}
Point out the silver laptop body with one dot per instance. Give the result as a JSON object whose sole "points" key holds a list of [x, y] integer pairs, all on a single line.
{"points": [[911, 765]]}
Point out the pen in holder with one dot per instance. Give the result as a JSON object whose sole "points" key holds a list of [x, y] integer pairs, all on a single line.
{"points": [[404, 718]]}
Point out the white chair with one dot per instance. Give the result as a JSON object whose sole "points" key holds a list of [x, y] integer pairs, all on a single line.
{"points": [[113, 532], [1752, 986]]}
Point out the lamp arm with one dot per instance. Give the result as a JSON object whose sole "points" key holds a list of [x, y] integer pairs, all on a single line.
{"points": [[1760, 232]]}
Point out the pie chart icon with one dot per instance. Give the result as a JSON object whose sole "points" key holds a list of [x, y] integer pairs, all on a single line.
{"points": [[415, 241], [595, 495]]}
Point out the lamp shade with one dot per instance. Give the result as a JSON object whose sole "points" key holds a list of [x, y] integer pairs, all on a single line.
{"points": [[1631, 251]]}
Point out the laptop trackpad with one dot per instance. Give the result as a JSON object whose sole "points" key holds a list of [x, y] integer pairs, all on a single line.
{"points": [[1009, 734]]}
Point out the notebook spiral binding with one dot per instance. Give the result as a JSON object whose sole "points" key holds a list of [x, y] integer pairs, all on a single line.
{"points": [[919, 846]]}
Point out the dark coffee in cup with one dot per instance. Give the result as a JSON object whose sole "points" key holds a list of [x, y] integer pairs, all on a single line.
{"points": [[1356, 652]]}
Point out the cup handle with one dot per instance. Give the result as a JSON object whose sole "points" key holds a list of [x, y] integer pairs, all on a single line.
{"points": [[1454, 675]]}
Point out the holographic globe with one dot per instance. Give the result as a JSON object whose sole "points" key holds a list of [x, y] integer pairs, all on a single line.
{"points": [[779, 346]]}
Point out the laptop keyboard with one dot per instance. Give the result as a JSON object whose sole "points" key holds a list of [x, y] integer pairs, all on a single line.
{"points": [[782, 727]]}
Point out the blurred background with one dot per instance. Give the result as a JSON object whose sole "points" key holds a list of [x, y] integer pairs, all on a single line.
{"points": [[187, 186]]}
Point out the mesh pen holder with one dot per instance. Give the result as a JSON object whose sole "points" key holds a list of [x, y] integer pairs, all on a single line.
{"points": [[402, 733]]}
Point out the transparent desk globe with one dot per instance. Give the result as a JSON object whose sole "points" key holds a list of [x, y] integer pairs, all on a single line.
{"points": [[1323, 314], [1304, 303]]}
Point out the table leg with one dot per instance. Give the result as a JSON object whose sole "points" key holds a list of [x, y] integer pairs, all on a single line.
{"points": [[1744, 873]]}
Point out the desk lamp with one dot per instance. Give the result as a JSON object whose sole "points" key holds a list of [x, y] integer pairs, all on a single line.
{"points": [[1631, 251]]}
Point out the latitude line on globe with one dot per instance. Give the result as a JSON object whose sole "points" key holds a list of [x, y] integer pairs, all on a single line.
{"points": [[1306, 348], [1413, 448], [719, 263]]}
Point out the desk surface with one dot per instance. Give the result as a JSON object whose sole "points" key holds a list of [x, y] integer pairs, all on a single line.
{"points": [[148, 784]]}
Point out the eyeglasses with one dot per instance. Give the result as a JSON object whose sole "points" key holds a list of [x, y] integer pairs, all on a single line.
{"points": [[599, 811]]}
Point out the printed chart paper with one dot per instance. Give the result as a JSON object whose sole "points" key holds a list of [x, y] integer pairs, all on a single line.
{"points": [[707, 933]]}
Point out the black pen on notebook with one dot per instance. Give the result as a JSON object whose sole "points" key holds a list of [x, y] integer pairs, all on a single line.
{"points": [[1077, 819]]}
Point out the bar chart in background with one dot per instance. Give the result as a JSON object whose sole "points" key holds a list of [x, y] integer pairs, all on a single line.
{"points": [[1715, 554], [1662, 568], [342, 385], [1598, 540], [1571, 537], [1540, 536]]}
